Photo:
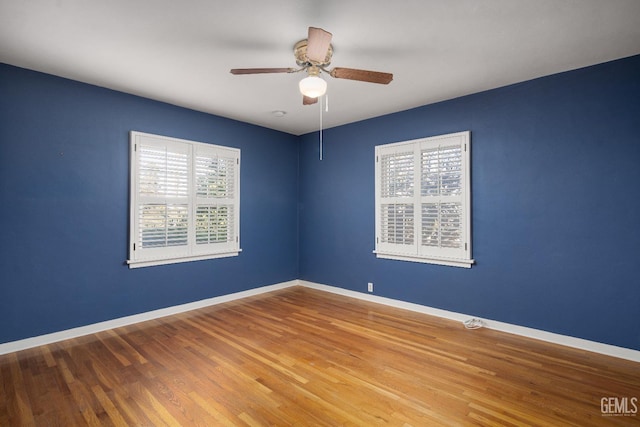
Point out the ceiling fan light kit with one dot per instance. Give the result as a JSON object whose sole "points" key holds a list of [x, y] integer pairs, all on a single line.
{"points": [[314, 55], [313, 86]]}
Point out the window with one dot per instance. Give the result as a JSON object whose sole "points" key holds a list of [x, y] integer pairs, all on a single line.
{"points": [[185, 201], [423, 200]]}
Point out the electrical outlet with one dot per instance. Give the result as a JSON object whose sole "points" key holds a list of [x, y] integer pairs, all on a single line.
{"points": [[370, 287]]}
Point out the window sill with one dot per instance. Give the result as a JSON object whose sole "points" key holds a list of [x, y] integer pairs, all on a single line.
{"points": [[451, 262], [164, 261]]}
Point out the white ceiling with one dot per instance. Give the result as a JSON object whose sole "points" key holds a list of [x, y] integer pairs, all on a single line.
{"points": [[180, 52]]}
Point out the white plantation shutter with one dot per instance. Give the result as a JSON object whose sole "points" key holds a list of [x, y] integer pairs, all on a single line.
{"points": [[423, 200], [163, 225], [398, 226], [396, 207], [441, 198], [163, 208], [184, 200], [215, 199]]}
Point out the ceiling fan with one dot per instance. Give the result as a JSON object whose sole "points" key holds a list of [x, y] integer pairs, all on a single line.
{"points": [[313, 55]]}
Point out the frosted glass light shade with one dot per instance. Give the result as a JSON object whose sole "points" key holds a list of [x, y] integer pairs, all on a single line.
{"points": [[313, 86]]}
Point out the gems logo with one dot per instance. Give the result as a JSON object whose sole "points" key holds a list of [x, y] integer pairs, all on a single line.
{"points": [[619, 406]]}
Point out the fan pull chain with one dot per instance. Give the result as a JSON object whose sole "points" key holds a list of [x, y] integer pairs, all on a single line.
{"points": [[320, 148], [326, 108]]}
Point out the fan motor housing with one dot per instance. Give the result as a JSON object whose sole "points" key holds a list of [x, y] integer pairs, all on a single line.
{"points": [[300, 52]]}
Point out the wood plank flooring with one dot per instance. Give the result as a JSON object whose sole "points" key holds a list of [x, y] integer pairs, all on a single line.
{"points": [[302, 357]]}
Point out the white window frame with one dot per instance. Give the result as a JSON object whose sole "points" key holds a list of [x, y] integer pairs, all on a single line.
{"points": [[198, 239], [401, 237]]}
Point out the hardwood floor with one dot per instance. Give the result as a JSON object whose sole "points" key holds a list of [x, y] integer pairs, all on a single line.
{"points": [[308, 358]]}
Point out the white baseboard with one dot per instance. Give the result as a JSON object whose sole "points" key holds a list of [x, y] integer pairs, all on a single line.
{"points": [[136, 318], [579, 343], [596, 347]]}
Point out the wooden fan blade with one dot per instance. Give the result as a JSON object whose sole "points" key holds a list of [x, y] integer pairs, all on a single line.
{"points": [[308, 101], [362, 75], [238, 71], [318, 43]]}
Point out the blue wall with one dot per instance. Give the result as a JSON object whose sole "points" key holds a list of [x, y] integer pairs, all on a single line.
{"points": [[556, 205], [555, 165], [64, 153]]}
